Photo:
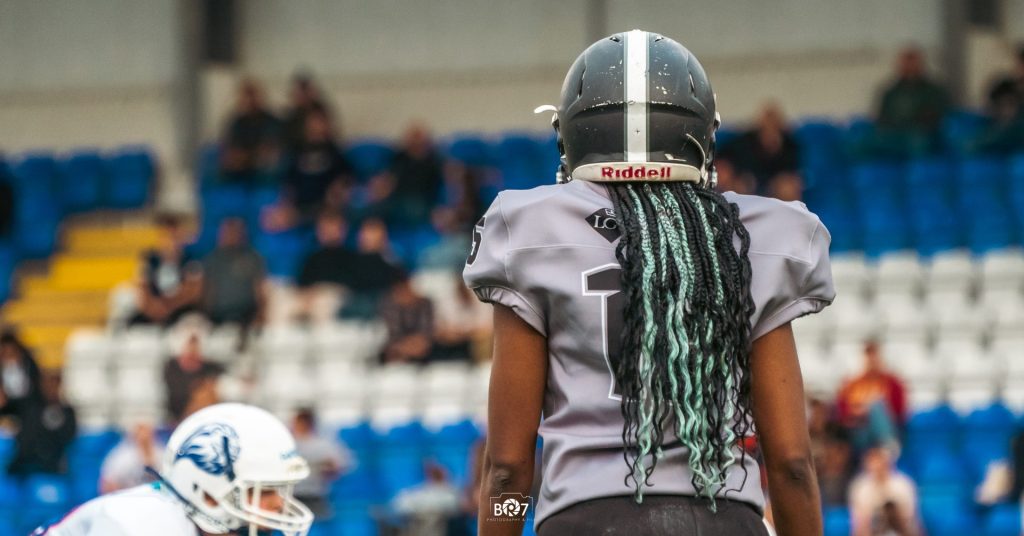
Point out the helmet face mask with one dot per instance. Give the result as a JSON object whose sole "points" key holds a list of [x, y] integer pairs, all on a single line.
{"points": [[289, 516], [226, 460], [641, 99]]}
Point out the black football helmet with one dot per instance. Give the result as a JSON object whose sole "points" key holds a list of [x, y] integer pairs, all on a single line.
{"points": [[636, 106]]}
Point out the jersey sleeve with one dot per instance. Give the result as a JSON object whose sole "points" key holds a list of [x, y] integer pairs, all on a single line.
{"points": [[488, 274], [802, 286]]}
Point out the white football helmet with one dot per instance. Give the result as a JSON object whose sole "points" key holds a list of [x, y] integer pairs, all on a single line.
{"points": [[220, 461]]}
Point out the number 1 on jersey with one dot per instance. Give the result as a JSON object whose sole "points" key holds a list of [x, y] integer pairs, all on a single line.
{"points": [[606, 282]]}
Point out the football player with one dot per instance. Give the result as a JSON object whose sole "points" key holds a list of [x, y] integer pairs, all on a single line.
{"points": [[228, 469], [646, 317]]}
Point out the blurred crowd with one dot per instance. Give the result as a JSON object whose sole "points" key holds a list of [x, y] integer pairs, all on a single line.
{"points": [[357, 270], [858, 441], [907, 122]]}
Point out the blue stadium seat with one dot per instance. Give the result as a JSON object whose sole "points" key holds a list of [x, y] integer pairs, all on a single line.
{"points": [[521, 162], [549, 157], [409, 243], [471, 150], [400, 457], [452, 446], [1016, 190], [224, 201], [827, 186], [725, 136], [837, 521], [1003, 520], [856, 134], [929, 175], [820, 144], [932, 430], [284, 251], [986, 434], [8, 263], [355, 523], [217, 203], [257, 200], [208, 165], [990, 226], [358, 438], [949, 520], [95, 443], [942, 480], [85, 457], [130, 173], [981, 176], [844, 227], [36, 169], [873, 180], [81, 181], [932, 215], [960, 129], [47, 499], [369, 157], [36, 236], [37, 210], [1015, 166], [11, 496]]}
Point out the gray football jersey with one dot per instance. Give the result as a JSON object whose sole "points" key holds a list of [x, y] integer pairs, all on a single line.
{"points": [[549, 254]]}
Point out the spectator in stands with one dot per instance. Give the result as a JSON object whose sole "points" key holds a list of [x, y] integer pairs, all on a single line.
{"points": [[819, 415], [170, 283], [409, 190], [729, 180], [371, 273], [125, 465], [463, 325], [449, 252], [318, 176], [189, 379], [234, 278], [45, 431], [324, 272], [429, 507], [873, 405], [20, 378], [883, 501], [834, 467], [409, 319], [769, 156], [465, 185], [305, 99], [1005, 132], [327, 458], [250, 148], [329, 263], [911, 110]]}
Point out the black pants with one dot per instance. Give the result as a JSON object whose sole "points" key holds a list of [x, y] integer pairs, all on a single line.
{"points": [[659, 515]]}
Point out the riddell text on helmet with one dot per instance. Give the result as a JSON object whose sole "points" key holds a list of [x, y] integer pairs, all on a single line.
{"points": [[636, 172]]}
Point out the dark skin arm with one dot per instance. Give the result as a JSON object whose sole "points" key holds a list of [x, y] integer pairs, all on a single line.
{"points": [[778, 406], [518, 376]]}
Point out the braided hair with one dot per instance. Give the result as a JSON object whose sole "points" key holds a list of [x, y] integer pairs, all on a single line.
{"points": [[686, 339]]}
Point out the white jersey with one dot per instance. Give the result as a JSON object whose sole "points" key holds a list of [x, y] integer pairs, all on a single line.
{"points": [[144, 510]]}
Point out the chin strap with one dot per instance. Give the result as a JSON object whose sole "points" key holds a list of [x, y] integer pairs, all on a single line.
{"points": [[191, 510]]}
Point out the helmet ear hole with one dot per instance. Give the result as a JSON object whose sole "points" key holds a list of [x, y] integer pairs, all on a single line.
{"points": [[208, 499]]}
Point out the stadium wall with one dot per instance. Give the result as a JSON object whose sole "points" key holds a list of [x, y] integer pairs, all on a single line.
{"points": [[68, 80]]}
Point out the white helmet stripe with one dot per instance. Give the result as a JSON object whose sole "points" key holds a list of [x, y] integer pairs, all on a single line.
{"points": [[635, 60]]}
